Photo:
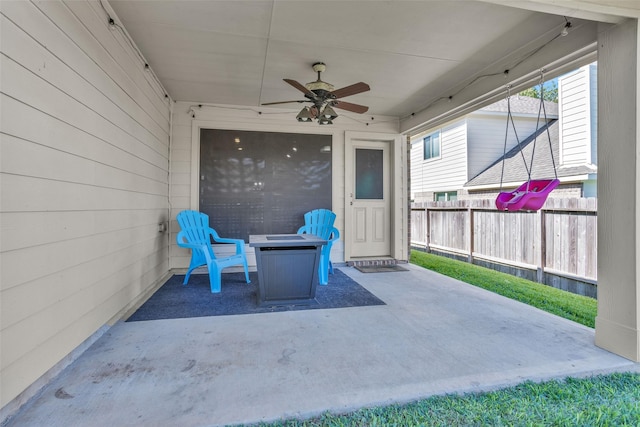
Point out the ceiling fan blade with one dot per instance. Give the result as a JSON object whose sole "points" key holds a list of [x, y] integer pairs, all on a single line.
{"points": [[350, 90], [301, 88], [356, 108], [284, 102]]}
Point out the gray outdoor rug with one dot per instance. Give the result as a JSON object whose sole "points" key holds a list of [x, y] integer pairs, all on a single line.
{"points": [[173, 300]]}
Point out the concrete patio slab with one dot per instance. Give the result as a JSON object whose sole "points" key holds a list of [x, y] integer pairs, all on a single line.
{"points": [[436, 335]]}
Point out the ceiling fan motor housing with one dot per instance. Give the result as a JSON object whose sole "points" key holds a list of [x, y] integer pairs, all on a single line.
{"points": [[319, 67]]}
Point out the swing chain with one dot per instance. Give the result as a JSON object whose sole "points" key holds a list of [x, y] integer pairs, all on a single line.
{"points": [[506, 136], [508, 87], [553, 161]]}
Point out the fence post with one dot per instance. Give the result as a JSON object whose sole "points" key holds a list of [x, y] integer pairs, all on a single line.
{"points": [[427, 222], [543, 246], [471, 237]]}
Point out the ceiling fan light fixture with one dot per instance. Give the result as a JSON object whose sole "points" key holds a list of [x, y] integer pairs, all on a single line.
{"points": [[305, 115], [323, 97], [329, 113]]}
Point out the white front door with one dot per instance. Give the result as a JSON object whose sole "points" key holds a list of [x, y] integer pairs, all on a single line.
{"points": [[369, 195]]}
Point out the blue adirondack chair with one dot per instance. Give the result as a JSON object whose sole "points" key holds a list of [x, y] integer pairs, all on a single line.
{"points": [[196, 235], [320, 223]]}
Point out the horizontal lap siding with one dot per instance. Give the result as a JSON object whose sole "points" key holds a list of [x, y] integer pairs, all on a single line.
{"points": [[180, 181], [449, 171], [416, 156], [84, 178], [575, 117]]}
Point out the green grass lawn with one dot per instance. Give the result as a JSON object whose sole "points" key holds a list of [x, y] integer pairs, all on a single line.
{"points": [[565, 304], [610, 400], [607, 400]]}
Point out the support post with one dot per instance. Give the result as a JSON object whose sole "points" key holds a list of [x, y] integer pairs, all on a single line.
{"points": [[618, 320]]}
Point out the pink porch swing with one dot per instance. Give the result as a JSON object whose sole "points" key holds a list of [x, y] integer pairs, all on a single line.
{"points": [[532, 194]]}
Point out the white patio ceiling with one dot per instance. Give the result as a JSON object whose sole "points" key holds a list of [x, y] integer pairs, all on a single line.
{"points": [[412, 53]]}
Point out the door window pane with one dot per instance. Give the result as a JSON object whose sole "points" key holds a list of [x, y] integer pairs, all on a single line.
{"points": [[369, 174]]}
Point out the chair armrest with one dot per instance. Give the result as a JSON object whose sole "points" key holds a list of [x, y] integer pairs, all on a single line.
{"points": [[227, 240], [238, 242], [180, 241], [335, 234]]}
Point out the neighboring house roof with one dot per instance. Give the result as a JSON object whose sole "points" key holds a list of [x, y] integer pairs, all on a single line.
{"points": [[524, 105], [514, 168]]}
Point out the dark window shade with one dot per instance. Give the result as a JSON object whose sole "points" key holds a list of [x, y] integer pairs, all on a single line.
{"points": [[262, 182]]}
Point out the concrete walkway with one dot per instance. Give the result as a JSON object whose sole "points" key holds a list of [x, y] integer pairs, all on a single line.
{"points": [[436, 335]]}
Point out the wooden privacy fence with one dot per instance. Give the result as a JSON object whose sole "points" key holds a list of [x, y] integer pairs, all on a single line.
{"points": [[557, 245]]}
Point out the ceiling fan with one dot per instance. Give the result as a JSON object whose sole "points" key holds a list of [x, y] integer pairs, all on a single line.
{"points": [[324, 98]]}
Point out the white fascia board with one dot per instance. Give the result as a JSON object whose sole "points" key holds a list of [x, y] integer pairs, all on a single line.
{"points": [[601, 10]]}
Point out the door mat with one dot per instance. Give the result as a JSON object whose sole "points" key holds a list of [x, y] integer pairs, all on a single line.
{"points": [[173, 300], [379, 268]]}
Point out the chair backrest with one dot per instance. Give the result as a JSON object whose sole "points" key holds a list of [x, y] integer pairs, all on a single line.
{"points": [[320, 222], [195, 226]]}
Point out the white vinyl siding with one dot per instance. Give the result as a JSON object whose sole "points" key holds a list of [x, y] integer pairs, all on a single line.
{"points": [[486, 133], [468, 147], [84, 182], [416, 172], [593, 106], [446, 173], [576, 116]]}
